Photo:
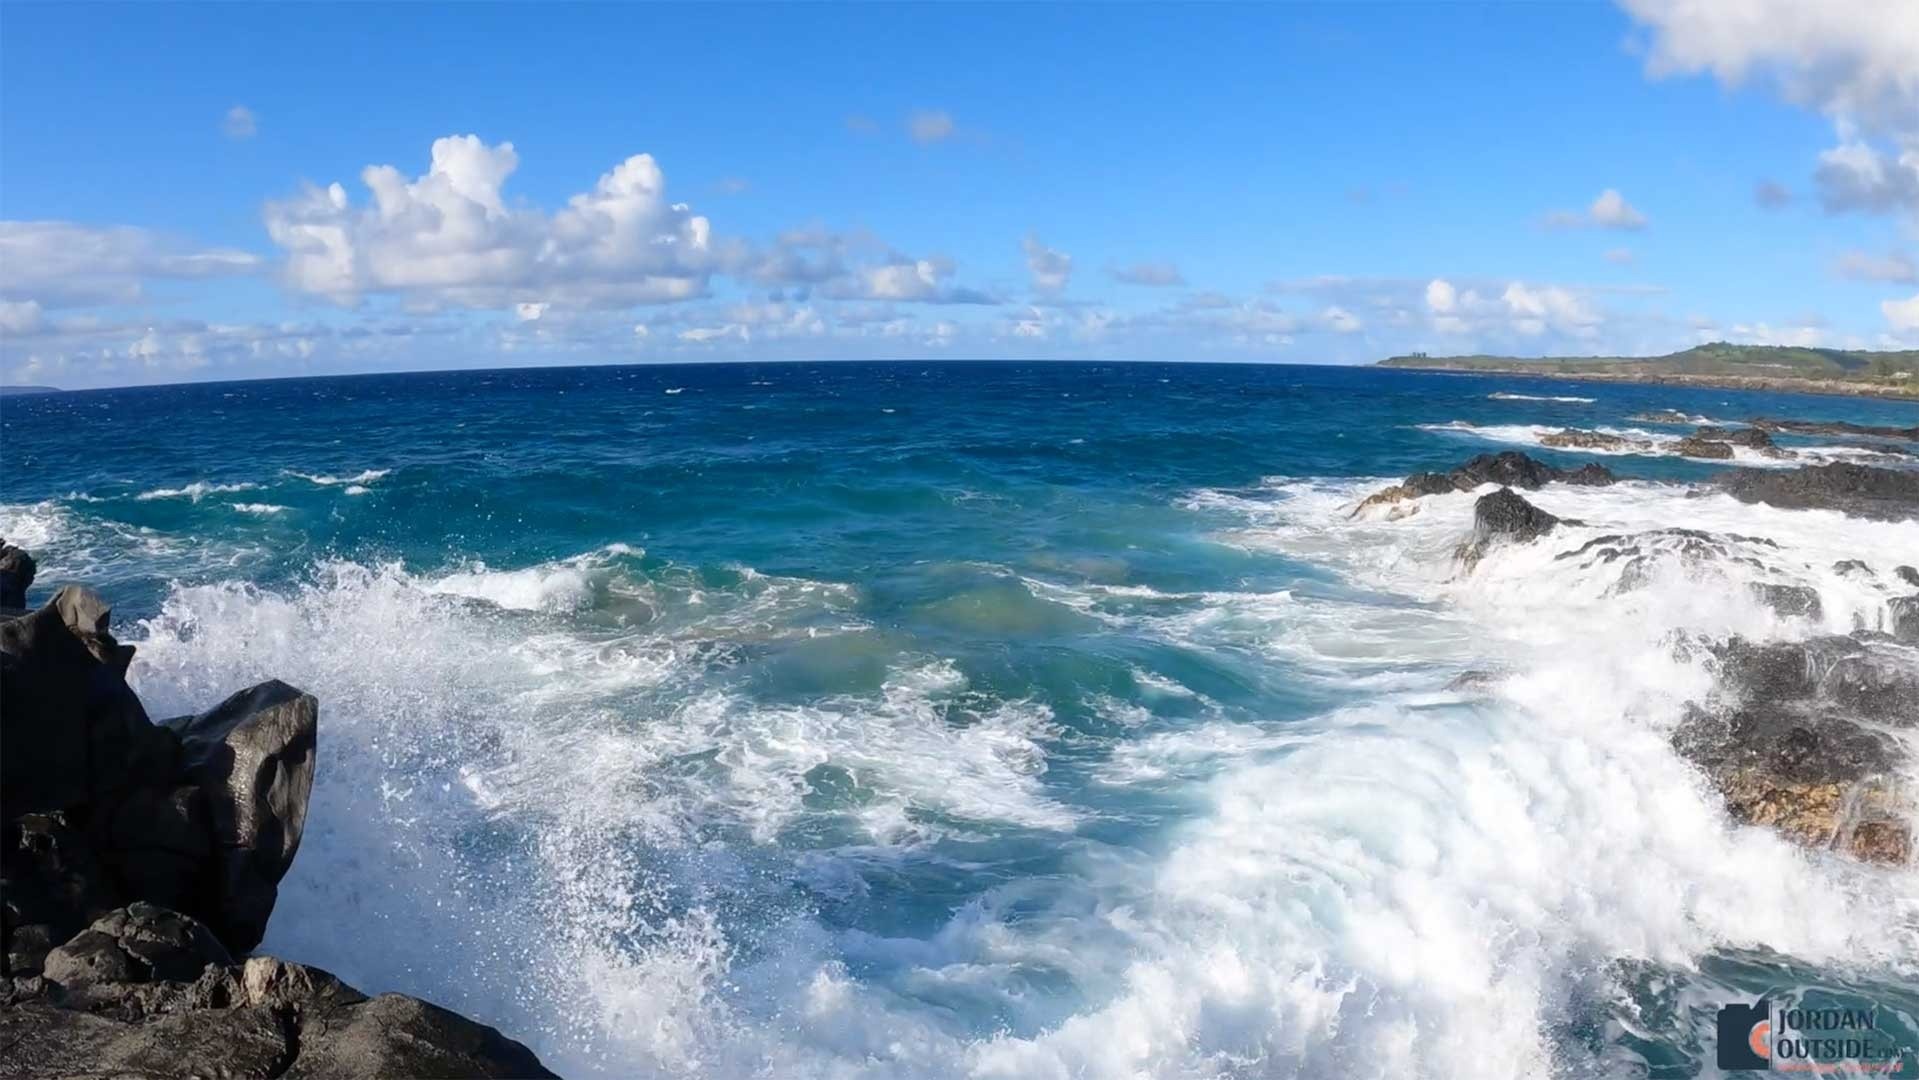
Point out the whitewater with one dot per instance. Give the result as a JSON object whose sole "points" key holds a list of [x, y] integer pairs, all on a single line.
{"points": [[991, 720]]}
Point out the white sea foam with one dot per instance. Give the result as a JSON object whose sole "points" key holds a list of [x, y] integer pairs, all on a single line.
{"points": [[195, 491], [541, 799], [1663, 444], [260, 509], [325, 480], [1501, 395]]}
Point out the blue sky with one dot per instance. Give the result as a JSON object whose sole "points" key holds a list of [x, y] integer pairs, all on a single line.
{"points": [[1297, 183]]}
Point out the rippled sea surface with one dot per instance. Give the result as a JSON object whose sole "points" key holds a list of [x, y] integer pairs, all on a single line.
{"points": [[982, 719]]}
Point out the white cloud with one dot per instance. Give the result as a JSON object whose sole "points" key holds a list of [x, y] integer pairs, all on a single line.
{"points": [[1151, 274], [927, 126], [1802, 335], [1856, 175], [1855, 61], [240, 123], [1521, 309], [1535, 309], [1609, 210], [449, 237], [1902, 314], [1339, 320], [61, 264], [1050, 269], [1866, 266], [1850, 59], [904, 278], [19, 316]]}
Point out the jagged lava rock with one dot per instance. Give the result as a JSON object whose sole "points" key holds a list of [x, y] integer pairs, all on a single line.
{"points": [[253, 756], [1860, 490]]}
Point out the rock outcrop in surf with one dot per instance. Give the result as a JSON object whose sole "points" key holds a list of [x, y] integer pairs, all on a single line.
{"points": [[139, 865], [1508, 468], [1802, 736], [1861, 490]]}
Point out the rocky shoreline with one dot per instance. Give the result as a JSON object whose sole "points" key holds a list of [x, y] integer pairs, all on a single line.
{"points": [[139, 869], [1801, 736], [1771, 383]]}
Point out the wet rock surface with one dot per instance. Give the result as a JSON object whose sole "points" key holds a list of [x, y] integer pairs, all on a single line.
{"points": [[1504, 517], [1803, 736], [138, 860], [1861, 490], [1833, 427], [1508, 468]]}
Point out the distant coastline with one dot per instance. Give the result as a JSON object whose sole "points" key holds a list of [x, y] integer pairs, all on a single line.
{"points": [[24, 391], [1889, 374]]}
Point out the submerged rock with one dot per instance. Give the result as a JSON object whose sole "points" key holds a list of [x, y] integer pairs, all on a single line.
{"points": [[1693, 446], [1833, 427], [1751, 438], [1860, 490], [1580, 439]]}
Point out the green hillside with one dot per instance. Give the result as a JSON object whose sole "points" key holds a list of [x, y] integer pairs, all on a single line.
{"points": [[1893, 370]]}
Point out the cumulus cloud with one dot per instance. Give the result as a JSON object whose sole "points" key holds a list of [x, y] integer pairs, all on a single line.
{"points": [[240, 123], [1856, 175], [1852, 59], [904, 278], [1609, 210], [449, 237], [1050, 269], [1519, 309], [1150, 274], [1855, 61], [1902, 314], [928, 126], [61, 264]]}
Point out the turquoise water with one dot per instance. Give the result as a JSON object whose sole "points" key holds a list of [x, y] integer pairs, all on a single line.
{"points": [[977, 719]]}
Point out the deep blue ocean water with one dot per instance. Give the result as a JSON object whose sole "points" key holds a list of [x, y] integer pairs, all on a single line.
{"points": [[974, 718]]}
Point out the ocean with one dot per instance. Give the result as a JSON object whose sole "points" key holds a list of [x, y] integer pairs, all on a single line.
{"points": [[984, 719]]}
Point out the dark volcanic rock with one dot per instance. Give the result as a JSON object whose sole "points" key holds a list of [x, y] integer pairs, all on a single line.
{"points": [[1860, 490], [1580, 439], [1902, 618], [1752, 438], [138, 943], [1508, 468], [16, 576], [1799, 738], [1907, 574], [266, 1018], [73, 730], [1693, 446], [395, 1035], [253, 757], [1796, 601], [137, 859], [1504, 517], [1826, 427]]}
